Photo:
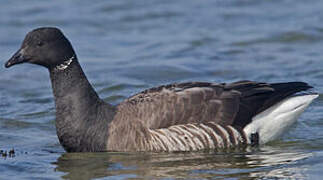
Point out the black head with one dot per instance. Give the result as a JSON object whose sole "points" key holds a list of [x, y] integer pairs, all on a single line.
{"points": [[45, 46]]}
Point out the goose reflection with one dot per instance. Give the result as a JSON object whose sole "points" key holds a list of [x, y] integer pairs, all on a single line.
{"points": [[252, 163]]}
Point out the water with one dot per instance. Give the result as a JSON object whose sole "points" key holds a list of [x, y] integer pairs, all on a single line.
{"points": [[126, 46]]}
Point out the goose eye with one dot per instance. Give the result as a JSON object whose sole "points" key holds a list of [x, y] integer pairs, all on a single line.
{"points": [[39, 43]]}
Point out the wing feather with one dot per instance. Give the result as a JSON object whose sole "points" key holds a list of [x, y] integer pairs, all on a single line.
{"points": [[200, 102]]}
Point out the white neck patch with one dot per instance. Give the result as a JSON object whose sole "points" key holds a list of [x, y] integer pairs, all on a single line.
{"points": [[65, 64]]}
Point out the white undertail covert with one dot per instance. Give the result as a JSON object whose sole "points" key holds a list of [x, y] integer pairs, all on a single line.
{"points": [[273, 122]]}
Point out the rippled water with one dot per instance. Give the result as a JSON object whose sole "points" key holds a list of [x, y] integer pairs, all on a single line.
{"points": [[126, 46]]}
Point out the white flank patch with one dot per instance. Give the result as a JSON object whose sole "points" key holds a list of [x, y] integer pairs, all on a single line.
{"points": [[192, 137], [189, 138], [183, 146], [158, 141], [205, 136], [217, 137], [173, 145], [226, 134], [236, 135], [273, 122]]}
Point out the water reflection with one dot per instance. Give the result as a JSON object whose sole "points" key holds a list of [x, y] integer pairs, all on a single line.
{"points": [[267, 162]]}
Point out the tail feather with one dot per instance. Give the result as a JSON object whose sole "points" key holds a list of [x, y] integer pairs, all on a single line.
{"points": [[257, 97], [283, 90]]}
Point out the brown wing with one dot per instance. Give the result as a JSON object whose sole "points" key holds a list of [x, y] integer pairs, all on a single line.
{"points": [[200, 102]]}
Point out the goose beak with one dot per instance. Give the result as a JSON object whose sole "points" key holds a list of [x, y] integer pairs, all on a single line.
{"points": [[17, 58]]}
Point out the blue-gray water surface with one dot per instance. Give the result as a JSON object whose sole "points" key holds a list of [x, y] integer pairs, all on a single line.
{"points": [[127, 46]]}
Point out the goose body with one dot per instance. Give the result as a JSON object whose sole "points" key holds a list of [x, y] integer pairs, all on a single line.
{"points": [[176, 117], [199, 115]]}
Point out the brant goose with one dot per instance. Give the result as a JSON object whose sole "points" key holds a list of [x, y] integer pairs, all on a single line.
{"points": [[176, 117]]}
